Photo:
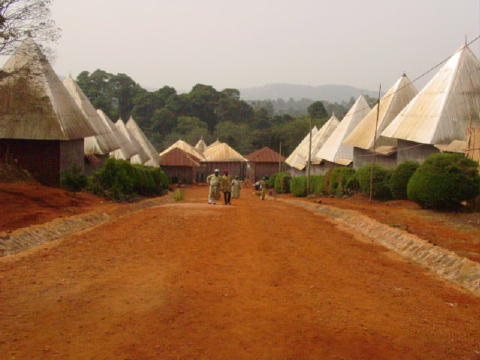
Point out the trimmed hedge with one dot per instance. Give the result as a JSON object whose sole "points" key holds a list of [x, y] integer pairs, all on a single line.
{"points": [[400, 177], [282, 183], [271, 180], [317, 184], [73, 179], [381, 179], [298, 186], [443, 181], [340, 181], [120, 180]]}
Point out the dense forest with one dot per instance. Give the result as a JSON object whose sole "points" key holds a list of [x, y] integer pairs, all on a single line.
{"points": [[166, 115]]}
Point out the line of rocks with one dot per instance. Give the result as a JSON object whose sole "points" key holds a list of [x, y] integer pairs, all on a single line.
{"points": [[445, 263], [25, 238]]}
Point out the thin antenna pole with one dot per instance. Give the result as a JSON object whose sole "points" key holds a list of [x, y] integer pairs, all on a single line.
{"points": [[375, 142], [309, 157], [280, 160]]}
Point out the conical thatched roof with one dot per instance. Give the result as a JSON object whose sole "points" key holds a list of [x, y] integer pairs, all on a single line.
{"points": [[189, 149], [104, 141], [394, 101], [126, 150], [222, 153], [446, 106], [140, 156], [216, 142], [34, 103], [299, 156], [178, 157], [201, 146], [334, 150], [140, 137], [321, 136], [265, 155]]}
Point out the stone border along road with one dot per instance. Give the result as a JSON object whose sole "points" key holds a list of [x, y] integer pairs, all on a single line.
{"points": [[445, 263], [25, 238]]}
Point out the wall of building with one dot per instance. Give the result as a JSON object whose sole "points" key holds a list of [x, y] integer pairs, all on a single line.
{"points": [[41, 158], [184, 173], [261, 169], [363, 157], [408, 150], [234, 168], [72, 154]]}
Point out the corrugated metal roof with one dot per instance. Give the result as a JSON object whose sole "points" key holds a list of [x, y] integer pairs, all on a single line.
{"points": [[34, 103], [177, 157], [201, 146], [334, 149], [222, 153], [445, 107], [104, 141], [265, 155], [139, 135], [299, 156], [189, 149], [394, 101]]}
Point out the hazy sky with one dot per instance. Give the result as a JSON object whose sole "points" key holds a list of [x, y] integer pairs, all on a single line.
{"points": [[254, 42]]}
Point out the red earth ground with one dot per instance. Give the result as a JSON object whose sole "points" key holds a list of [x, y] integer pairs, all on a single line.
{"points": [[256, 280]]}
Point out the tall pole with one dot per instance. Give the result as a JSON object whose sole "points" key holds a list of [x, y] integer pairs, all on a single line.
{"points": [[309, 163], [375, 142], [280, 159]]}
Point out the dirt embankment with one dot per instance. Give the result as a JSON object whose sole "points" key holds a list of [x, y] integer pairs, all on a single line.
{"points": [[24, 203], [459, 232]]}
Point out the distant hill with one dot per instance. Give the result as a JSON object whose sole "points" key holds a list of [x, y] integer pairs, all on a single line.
{"points": [[331, 93]]}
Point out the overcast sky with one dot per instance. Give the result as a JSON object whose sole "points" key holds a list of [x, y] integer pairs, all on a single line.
{"points": [[254, 42]]}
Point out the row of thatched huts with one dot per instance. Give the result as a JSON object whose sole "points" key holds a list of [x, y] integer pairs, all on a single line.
{"points": [[48, 126], [406, 124]]}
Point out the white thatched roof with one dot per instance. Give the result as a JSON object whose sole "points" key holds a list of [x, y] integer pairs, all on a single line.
{"points": [[140, 155], [34, 103], [334, 150], [201, 146], [189, 149], [299, 156], [394, 101], [139, 135], [104, 141], [445, 107], [126, 150], [321, 136], [222, 152]]}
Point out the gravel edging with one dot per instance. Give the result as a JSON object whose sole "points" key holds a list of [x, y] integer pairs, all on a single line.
{"points": [[25, 238], [445, 263]]}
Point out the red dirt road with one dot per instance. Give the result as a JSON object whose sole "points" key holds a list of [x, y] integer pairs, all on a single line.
{"points": [[193, 281]]}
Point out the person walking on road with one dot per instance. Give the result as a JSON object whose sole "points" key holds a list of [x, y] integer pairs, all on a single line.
{"points": [[227, 188], [263, 187], [213, 181], [236, 184]]}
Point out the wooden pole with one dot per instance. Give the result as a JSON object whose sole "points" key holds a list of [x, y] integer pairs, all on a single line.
{"points": [[280, 160], [309, 163], [375, 142]]}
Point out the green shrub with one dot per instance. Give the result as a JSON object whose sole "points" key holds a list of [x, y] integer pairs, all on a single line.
{"points": [[339, 181], [73, 179], [316, 184], [271, 180], [381, 179], [298, 186], [282, 183], [443, 181], [120, 180], [400, 177]]}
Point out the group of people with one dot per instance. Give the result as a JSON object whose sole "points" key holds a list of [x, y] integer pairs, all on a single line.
{"points": [[230, 187]]}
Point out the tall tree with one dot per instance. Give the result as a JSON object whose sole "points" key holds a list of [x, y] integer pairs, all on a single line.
{"points": [[20, 19], [317, 110]]}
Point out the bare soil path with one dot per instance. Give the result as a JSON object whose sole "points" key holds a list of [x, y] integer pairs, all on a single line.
{"points": [[256, 280]]}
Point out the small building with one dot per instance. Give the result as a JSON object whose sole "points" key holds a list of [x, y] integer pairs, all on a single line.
{"points": [[368, 144], [334, 152], [140, 137], [126, 149], [139, 155], [179, 165], [96, 148], [224, 158], [263, 162], [298, 158], [442, 112], [41, 127]]}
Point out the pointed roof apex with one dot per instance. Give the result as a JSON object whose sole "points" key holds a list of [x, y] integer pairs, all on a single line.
{"points": [[37, 104]]}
